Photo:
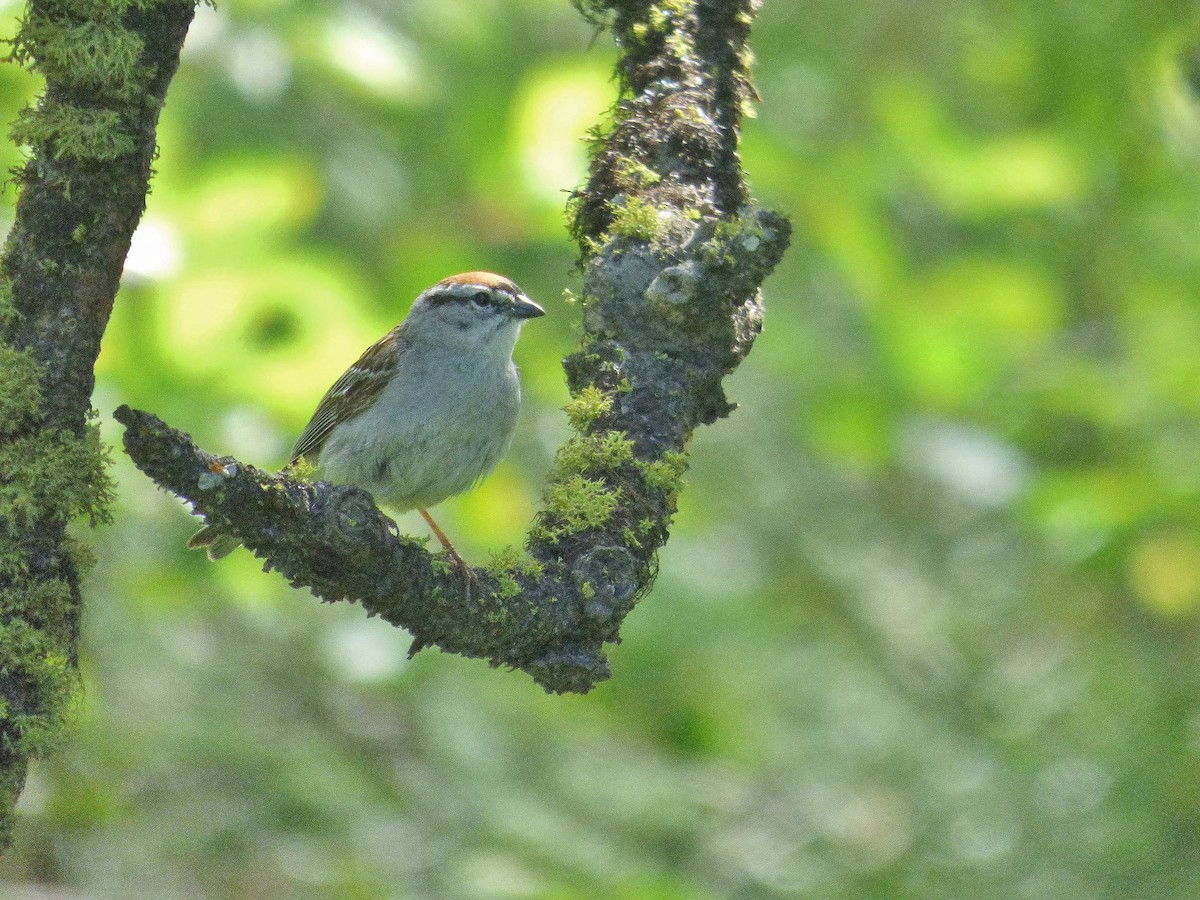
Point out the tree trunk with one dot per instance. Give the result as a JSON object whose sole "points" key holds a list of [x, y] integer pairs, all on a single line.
{"points": [[91, 138]]}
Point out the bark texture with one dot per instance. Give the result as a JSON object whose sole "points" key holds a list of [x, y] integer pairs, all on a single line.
{"points": [[673, 252], [91, 138]]}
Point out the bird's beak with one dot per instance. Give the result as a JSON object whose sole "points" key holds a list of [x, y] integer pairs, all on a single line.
{"points": [[524, 308]]}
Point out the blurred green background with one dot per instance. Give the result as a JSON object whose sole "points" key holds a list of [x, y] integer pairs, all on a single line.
{"points": [[927, 624]]}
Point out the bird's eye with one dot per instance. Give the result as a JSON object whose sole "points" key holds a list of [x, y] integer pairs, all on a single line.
{"points": [[482, 300]]}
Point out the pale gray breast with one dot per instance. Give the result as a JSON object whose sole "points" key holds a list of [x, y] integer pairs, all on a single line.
{"points": [[427, 439]]}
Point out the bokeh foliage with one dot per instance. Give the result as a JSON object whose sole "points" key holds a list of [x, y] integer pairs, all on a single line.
{"points": [[927, 624]]}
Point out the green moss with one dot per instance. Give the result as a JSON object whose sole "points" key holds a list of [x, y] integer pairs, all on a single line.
{"points": [[20, 391], [504, 565], [595, 468], [666, 473], [572, 505], [50, 475], [499, 615], [8, 310], [45, 605], [691, 114], [513, 559], [53, 475], [503, 560], [302, 469], [47, 681], [587, 407], [576, 203], [661, 18], [635, 174], [106, 10], [594, 454], [635, 219], [96, 457], [507, 589], [732, 239], [680, 45], [83, 47], [598, 12], [83, 555], [100, 57], [588, 453], [69, 131]]}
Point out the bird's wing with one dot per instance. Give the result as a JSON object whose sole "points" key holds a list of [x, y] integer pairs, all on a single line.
{"points": [[353, 393]]}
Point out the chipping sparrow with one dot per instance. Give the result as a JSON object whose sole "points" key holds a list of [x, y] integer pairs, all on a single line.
{"points": [[428, 410]]}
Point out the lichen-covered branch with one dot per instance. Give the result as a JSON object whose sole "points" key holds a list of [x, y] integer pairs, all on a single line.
{"points": [[91, 138], [334, 540], [673, 252]]}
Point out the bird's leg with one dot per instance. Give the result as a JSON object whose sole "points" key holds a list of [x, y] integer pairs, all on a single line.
{"points": [[441, 536], [449, 548]]}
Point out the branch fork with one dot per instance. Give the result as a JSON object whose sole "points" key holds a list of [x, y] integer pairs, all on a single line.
{"points": [[674, 252]]}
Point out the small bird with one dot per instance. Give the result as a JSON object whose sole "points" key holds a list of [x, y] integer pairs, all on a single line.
{"points": [[427, 411]]}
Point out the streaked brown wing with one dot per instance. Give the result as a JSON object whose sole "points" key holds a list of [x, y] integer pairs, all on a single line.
{"points": [[356, 390]]}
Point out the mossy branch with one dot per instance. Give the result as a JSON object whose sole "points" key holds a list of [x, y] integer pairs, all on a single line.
{"points": [[332, 539], [674, 252], [90, 138]]}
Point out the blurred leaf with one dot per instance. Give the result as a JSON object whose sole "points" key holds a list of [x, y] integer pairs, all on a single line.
{"points": [[968, 325], [972, 177], [1164, 570], [285, 331]]}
